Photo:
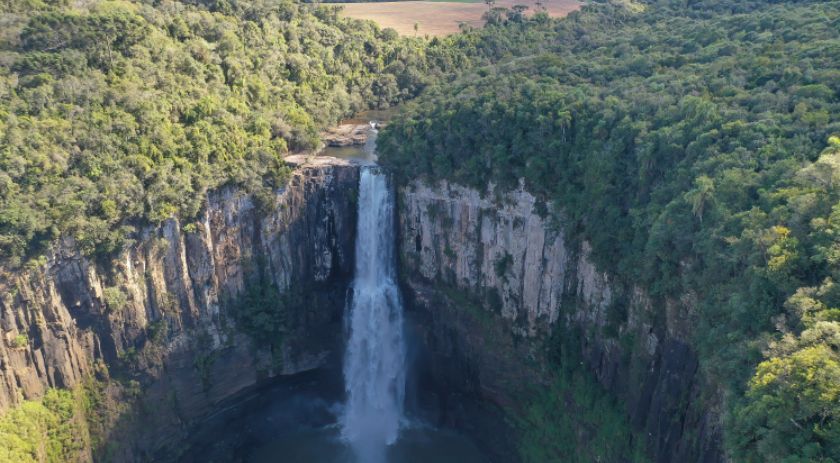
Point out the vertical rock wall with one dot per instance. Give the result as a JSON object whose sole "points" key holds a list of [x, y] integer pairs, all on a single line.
{"points": [[156, 316], [529, 279]]}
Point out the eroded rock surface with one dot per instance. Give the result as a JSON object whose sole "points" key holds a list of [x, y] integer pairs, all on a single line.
{"points": [[528, 280], [158, 315], [347, 135]]}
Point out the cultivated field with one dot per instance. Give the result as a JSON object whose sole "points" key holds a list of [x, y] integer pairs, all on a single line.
{"points": [[441, 18]]}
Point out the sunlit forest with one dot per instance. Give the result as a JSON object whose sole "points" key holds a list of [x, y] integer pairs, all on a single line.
{"points": [[697, 147], [693, 144]]}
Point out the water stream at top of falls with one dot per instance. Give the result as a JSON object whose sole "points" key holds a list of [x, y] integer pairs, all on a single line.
{"points": [[374, 365], [298, 419]]}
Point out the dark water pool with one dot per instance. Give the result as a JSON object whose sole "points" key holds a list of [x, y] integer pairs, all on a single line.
{"points": [[416, 445], [295, 421]]}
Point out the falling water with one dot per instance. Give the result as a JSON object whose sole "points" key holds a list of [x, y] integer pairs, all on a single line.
{"points": [[374, 367]]}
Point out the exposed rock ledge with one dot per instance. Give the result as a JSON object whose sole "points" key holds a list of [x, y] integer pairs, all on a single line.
{"points": [[319, 161], [347, 135], [157, 313]]}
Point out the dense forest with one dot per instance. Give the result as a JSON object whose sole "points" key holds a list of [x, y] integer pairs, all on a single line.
{"points": [[696, 146], [120, 113], [116, 115], [694, 143]]}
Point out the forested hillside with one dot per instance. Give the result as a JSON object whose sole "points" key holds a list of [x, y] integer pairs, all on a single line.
{"points": [[118, 113], [694, 143], [696, 146], [124, 112]]}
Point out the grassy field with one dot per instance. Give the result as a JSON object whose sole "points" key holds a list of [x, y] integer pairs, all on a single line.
{"points": [[438, 17]]}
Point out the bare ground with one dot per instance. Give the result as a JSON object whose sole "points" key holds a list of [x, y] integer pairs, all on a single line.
{"points": [[441, 18]]}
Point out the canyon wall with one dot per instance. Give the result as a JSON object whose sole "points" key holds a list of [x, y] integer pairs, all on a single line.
{"points": [[490, 283], [157, 318], [493, 281]]}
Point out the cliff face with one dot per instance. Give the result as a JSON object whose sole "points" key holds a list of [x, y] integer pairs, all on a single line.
{"points": [[157, 317], [523, 281], [489, 282]]}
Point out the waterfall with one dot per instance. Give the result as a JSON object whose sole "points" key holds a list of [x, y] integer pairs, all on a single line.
{"points": [[374, 365]]}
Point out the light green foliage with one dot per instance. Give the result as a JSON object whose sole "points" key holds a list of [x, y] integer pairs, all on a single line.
{"points": [[114, 111], [20, 341], [795, 406], [794, 397], [695, 146], [115, 298], [49, 430]]}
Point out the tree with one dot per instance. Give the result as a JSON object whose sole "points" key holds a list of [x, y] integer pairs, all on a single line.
{"points": [[517, 13], [795, 398], [701, 196]]}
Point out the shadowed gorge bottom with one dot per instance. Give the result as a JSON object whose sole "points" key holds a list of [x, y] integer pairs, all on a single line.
{"points": [[296, 421]]}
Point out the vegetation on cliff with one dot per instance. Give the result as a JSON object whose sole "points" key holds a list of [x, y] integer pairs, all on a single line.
{"points": [[696, 146], [119, 114], [49, 430], [572, 418]]}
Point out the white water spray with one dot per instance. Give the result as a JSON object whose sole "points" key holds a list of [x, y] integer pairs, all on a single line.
{"points": [[374, 366]]}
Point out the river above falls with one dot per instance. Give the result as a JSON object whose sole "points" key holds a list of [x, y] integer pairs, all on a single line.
{"points": [[366, 152], [316, 417]]}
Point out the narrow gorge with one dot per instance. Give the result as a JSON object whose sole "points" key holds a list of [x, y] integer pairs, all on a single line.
{"points": [[179, 325]]}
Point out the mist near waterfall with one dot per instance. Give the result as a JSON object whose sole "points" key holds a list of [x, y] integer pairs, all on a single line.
{"points": [[374, 366]]}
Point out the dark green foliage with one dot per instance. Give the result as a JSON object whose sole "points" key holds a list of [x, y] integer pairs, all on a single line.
{"points": [[697, 151], [502, 265], [100, 36], [572, 409], [203, 364], [573, 419], [261, 312]]}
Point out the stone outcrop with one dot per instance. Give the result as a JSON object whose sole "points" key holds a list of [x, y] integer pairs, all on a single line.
{"points": [[347, 135], [158, 316], [530, 280]]}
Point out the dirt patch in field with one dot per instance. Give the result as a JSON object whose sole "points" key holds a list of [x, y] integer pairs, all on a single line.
{"points": [[441, 18]]}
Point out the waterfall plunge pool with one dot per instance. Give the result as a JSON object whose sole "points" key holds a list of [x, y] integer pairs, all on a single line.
{"points": [[308, 418], [297, 420]]}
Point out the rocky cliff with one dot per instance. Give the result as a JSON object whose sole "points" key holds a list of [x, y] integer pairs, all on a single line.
{"points": [[490, 283], [494, 280], [156, 322]]}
